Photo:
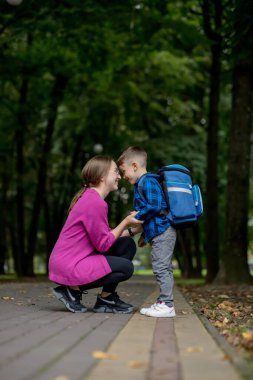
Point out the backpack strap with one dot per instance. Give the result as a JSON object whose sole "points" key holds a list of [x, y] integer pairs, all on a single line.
{"points": [[140, 186]]}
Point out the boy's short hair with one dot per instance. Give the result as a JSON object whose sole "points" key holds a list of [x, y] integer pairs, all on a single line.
{"points": [[133, 153]]}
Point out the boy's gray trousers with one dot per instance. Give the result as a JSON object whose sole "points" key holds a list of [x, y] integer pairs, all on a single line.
{"points": [[162, 251]]}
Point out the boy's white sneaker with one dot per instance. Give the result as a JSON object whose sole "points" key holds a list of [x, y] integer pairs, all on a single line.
{"points": [[144, 310], [159, 310]]}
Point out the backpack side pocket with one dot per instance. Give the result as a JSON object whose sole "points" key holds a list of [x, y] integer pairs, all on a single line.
{"points": [[197, 200]]}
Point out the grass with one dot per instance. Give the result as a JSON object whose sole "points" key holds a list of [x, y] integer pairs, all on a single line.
{"points": [[12, 277], [179, 280]]}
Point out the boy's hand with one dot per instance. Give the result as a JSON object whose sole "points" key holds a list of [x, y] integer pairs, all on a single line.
{"points": [[141, 242]]}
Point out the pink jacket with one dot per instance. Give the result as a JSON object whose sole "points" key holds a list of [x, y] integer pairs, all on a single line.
{"points": [[77, 255]]}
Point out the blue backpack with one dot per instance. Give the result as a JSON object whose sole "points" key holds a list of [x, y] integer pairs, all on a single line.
{"points": [[184, 200]]}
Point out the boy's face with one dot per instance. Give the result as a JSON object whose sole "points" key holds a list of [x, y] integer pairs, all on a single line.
{"points": [[130, 172]]}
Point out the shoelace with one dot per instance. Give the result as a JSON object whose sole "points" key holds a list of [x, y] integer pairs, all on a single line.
{"points": [[78, 295], [155, 305]]}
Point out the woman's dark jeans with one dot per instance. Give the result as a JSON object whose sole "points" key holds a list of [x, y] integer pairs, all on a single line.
{"points": [[119, 257]]}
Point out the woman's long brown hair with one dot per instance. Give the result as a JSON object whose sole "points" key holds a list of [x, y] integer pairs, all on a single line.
{"points": [[96, 168]]}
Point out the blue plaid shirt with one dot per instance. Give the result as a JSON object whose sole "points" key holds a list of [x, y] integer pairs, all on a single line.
{"points": [[150, 207]]}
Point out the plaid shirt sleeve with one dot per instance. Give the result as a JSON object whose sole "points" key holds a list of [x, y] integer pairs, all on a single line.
{"points": [[152, 204]]}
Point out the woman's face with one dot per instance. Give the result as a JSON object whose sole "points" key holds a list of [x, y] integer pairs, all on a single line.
{"points": [[112, 178]]}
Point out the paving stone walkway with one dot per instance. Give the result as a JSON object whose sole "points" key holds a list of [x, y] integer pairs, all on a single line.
{"points": [[40, 340]]}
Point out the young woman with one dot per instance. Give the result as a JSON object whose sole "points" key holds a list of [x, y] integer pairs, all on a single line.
{"points": [[88, 254]]}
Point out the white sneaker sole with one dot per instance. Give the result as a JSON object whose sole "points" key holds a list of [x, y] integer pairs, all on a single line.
{"points": [[157, 314]]}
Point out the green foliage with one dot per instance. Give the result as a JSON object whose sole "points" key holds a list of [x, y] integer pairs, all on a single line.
{"points": [[135, 73]]}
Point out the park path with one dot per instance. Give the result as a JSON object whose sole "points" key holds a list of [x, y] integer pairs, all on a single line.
{"points": [[40, 340]]}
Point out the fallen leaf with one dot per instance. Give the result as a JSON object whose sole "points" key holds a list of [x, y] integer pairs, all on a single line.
{"points": [[218, 324], [103, 355], [230, 310], [194, 349], [61, 378], [136, 364], [237, 314], [227, 358], [5, 298], [225, 321], [227, 306], [248, 335]]}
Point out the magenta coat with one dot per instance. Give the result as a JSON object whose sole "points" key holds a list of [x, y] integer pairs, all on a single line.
{"points": [[77, 255]]}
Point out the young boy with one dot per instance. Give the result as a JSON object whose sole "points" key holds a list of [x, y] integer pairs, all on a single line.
{"points": [[150, 204]]}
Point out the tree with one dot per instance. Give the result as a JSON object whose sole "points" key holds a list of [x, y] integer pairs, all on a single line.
{"points": [[134, 73], [212, 17], [234, 259]]}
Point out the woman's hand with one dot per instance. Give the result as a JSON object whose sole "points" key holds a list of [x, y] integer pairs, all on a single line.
{"points": [[130, 219]]}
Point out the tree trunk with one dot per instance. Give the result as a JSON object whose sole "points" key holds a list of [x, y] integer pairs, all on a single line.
{"points": [[211, 207], [20, 213], [196, 236], [57, 92], [212, 217], [3, 215], [236, 223], [185, 244]]}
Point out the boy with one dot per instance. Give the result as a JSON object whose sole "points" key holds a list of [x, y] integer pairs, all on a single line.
{"points": [[150, 204]]}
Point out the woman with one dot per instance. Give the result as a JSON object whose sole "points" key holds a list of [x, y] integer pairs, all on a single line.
{"points": [[88, 254]]}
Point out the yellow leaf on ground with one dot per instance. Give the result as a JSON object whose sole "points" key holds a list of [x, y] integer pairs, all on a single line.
{"points": [[248, 335], [194, 349], [136, 364], [61, 378], [237, 314], [103, 355], [5, 298], [225, 321], [227, 306], [218, 324], [227, 358]]}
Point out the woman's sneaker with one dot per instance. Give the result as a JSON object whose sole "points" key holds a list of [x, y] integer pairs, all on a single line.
{"points": [[112, 304], [70, 297], [159, 310]]}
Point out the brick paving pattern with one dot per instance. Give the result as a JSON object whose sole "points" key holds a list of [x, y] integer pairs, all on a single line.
{"points": [[41, 340]]}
